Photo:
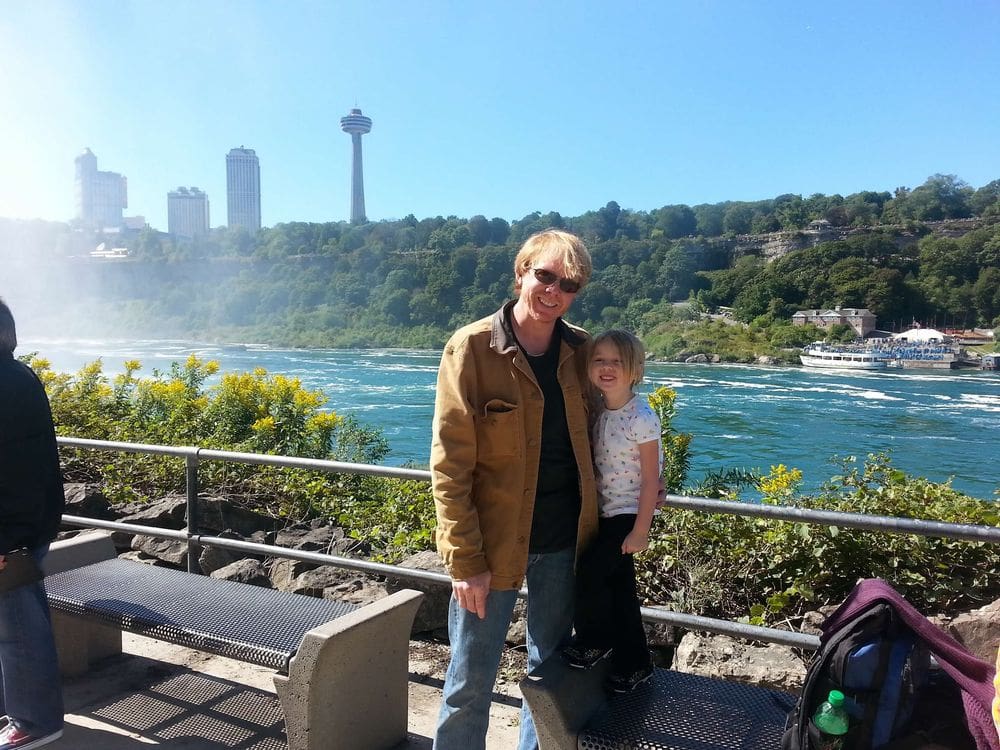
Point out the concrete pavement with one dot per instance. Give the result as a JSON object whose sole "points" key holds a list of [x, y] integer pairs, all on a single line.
{"points": [[164, 695]]}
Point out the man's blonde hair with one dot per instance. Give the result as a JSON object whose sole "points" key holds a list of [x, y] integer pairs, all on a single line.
{"points": [[557, 244]]}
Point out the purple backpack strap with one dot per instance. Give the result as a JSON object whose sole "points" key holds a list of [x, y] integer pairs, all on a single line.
{"points": [[973, 676]]}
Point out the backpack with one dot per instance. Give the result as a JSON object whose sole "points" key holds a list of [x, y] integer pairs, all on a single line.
{"points": [[876, 649]]}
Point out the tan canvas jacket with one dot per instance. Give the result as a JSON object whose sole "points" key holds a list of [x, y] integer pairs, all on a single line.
{"points": [[486, 445]]}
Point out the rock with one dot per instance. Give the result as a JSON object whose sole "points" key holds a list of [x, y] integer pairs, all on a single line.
{"points": [[770, 665], [167, 513], [87, 500], [168, 550], [314, 582], [433, 612], [309, 538], [701, 359], [212, 558], [246, 570], [979, 631], [360, 591], [661, 634], [517, 634], [218, 514], [284, 572], [766, 360], [140, 557]]}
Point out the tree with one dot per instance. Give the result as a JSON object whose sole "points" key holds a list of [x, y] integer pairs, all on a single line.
{"points": [[988, 195], [479, 230], [940, 197], [499, 231], [676, 221], [790, 212], [608, 216], [986, 295], [708, 219], [753, 300], [676, 273], [737, 218]]}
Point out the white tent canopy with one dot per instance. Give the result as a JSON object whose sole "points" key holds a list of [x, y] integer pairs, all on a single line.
{"points": [[921, 335]]}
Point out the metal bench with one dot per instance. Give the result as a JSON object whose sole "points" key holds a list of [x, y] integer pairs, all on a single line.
{"points": [[671, 711], [342, 670]]}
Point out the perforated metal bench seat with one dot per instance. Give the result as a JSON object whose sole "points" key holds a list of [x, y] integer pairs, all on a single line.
{"points": [[244, 622], [677, 711], [341, 671]]}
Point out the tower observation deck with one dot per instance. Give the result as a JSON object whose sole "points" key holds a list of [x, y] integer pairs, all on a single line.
{"points": [[357, 125]]}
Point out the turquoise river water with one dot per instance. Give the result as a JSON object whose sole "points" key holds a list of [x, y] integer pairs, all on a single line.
{"points": [[938, 425]]}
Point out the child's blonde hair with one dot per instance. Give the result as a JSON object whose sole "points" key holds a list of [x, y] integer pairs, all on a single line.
{"points": [[630, 350]]}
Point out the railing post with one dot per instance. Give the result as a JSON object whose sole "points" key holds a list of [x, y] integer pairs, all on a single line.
{"points": [[191, 482]]}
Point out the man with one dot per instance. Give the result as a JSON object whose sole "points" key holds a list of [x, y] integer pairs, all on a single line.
{"points": [[513, 479], [31, 505]]}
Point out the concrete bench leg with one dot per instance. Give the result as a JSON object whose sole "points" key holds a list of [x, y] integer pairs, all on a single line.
{"points": [[81, 642], [562, 700], [347, 686]]}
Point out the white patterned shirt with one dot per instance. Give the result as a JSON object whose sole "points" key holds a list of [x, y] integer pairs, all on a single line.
{"points": [[617, 435]]}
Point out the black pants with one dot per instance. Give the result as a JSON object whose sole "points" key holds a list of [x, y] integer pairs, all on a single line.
{"points": [[607, 607]]}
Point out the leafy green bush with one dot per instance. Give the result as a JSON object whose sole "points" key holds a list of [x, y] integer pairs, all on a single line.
{"points": [[766, 571], [248, 412]]}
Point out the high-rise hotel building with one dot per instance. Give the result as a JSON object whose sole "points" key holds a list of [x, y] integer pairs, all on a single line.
{"points": [[243, 189], [187, 212], [100, 196]]}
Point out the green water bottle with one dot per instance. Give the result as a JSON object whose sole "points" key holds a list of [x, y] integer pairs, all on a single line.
{"points": [[832, 721]]}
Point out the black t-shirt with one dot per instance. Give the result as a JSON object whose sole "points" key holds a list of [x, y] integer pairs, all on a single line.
{"points": [[557, 496]]}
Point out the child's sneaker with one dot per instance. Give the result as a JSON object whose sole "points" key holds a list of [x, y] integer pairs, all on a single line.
{"points": [[582, 657], [12, 738], [626, 683]]}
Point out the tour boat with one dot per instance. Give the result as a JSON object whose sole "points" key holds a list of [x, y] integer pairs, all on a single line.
{"points": [[825, 355]]}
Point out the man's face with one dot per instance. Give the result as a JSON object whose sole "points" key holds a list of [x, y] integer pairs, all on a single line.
{"points": [[543, 298]]}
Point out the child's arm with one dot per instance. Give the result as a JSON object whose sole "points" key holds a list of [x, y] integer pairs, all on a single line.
{"points": [[649, 488]]}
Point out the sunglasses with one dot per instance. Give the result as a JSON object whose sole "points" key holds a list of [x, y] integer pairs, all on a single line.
{"points": [[570, 286]]}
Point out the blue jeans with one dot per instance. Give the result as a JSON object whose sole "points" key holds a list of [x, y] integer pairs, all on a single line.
{"points": [[476, 647], [29, 667]]}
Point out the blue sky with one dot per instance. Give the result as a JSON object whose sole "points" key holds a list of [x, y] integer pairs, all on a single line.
{"points": [[495, 108]]}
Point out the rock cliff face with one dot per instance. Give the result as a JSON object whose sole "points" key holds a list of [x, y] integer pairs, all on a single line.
{"points": [[775, 244]]}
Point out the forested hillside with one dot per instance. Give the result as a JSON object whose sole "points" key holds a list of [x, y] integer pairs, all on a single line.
{"points": [[409, 282]]}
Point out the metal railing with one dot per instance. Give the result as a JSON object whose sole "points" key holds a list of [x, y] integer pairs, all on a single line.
{"points": [[195, 539]]}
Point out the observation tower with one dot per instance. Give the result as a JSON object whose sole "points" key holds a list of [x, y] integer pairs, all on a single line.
{"points": [[357, 125]]}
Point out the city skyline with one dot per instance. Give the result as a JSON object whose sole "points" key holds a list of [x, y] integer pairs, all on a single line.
{"points": [[497, 110]]}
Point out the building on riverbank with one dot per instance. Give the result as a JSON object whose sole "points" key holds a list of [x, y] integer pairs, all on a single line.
{"points": [[861, 319]]}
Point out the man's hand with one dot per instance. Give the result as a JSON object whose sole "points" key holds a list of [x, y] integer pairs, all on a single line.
{"points": [[3, 562], [472, 592]]}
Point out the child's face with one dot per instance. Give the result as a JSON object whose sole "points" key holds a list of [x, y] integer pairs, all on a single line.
{"points": [[607, 373]]}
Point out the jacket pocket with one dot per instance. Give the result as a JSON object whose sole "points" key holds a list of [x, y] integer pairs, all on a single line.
{"points": [[498, 430]]}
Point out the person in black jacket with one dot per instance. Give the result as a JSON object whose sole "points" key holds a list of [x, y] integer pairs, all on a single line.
{"points": [[31, 505]]}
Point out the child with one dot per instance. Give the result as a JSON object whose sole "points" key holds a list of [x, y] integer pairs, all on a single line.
{"points": [[627, 457]]}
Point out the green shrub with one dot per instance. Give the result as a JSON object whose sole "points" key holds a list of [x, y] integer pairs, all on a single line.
{"points": [[769, 571]]}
